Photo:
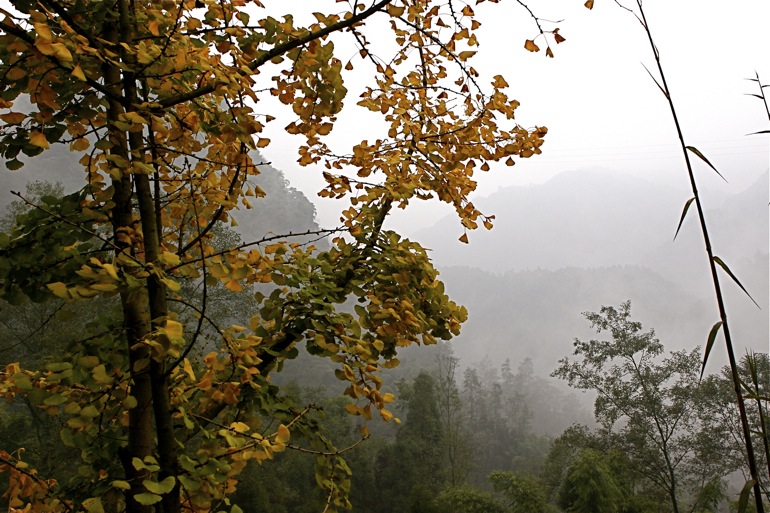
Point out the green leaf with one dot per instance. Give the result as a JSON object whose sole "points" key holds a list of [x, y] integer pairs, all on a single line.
{"points": [[164, 486], [684, 213], [90, 412], [190, 485], [58, 367], [147, 499], [709, 345], [704, 159], [151, 464], [103, 144], [55, 400], [93, 505], [743, 500], [723, 265], [122, 485], [14, 165]]}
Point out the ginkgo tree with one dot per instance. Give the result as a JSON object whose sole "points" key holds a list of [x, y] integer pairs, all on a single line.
{"points": [[161, 100]]}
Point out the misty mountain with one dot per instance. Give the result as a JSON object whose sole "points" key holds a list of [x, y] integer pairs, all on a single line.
{"points": [[591, 218], [537, 314], [281, 211], [588, 239]]}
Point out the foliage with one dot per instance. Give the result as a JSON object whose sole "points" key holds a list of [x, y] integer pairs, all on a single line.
{"points": [[162, 102], [453, 417], [722, 415], [589, 486], [410, 472], [469, 500], [524, 492], [648, 405]]}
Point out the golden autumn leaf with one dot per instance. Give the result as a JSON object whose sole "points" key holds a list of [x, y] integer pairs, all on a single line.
{"points": [[13, 118], [174, 330], [499, 82], [463, 238], [283, 434], [62, 52], [16, 73], [233, 286], [80, 144], [240, 427], [43, 32], [531, 46], [59, 289], [38, 139], [589, 4]]}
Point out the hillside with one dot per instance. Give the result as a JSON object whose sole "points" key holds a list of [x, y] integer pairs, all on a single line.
{"points": [[555, 253]]}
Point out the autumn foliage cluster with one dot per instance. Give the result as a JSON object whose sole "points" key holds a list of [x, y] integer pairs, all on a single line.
{"points": [[165, 102]]}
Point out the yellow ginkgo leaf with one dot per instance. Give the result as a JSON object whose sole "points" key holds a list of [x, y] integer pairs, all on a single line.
{"points": [[531, 46], [77, 72], [59, 289], [283, 434], [38, 139], [174, 329], [80, 144], [62, 52], [43, 32], [499, 82]]}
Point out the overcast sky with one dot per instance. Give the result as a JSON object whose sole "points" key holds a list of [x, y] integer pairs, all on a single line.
{"points": [[601, 107]]}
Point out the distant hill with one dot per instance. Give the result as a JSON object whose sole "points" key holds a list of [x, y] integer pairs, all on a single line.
{"points": [[591, 219], [537, 313], [283, 210], [587, 239]]}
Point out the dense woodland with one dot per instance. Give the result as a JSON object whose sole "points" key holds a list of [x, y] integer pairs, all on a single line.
{"points": [[178, 334]]}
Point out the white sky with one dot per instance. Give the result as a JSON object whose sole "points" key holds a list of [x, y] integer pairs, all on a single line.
{"points": [[601, 107]]}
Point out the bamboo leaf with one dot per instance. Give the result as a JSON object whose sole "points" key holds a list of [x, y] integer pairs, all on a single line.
{"points": [[743, 500], [760, 132], [723, 265], [709, 345], [704, 159], [684, 213], [656, 81]]}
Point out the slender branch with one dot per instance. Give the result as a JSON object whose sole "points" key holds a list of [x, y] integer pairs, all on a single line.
{"points": [[332, 453], [323, 232], [278, 51]]}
